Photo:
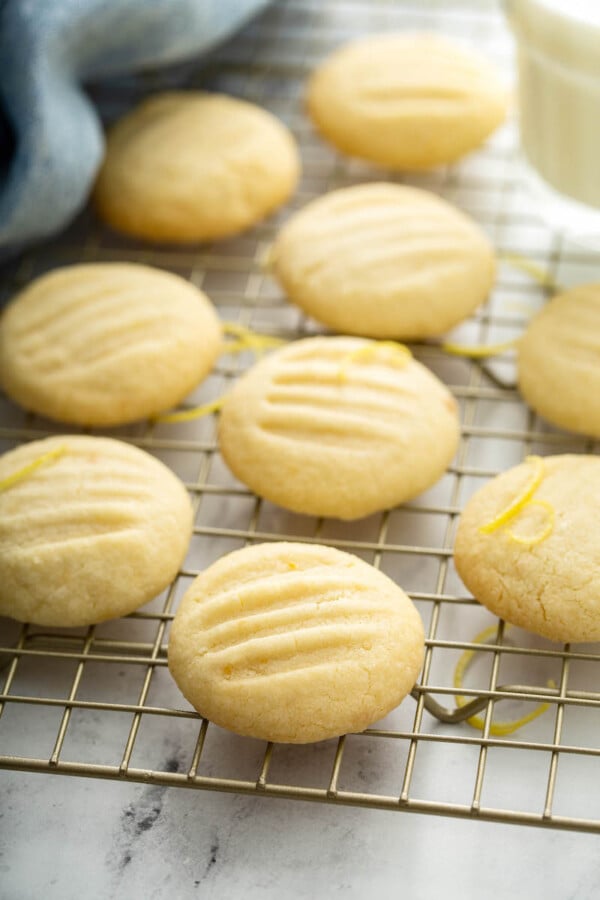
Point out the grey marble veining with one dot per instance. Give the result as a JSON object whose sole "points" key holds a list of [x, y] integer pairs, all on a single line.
{"points": [[70, 838]]}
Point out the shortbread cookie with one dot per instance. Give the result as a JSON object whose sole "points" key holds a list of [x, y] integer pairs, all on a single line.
{"points": [[193, 166], [406, 101], [94, 532], [338, 427], [295, 643], [106, 343], [539, 568], [559, 360], [384, 260]]}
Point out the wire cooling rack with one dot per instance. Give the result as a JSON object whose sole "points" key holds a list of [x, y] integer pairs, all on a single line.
{"points": [[99, 702]]}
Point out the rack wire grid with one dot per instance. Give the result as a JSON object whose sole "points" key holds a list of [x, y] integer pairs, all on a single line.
{"points": [[99, 702]]}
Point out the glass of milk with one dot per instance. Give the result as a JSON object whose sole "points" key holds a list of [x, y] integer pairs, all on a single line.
{"points": [[558, 53]]}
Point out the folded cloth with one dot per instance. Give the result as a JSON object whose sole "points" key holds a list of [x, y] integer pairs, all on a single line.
{"points": [[51, 140]]}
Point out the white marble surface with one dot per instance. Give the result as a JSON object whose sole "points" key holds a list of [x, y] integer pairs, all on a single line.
{"points": [[70, 838]]}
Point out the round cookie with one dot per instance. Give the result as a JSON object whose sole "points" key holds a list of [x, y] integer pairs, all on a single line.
{"points": [[192, 166], [106, 343], [406, 100], [295, 643], [559, 360], [92, 533], [338, 427], [546, 576], [384, 260]]}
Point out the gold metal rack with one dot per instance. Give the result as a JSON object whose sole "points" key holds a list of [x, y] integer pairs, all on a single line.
{"points": [[99, 702]]}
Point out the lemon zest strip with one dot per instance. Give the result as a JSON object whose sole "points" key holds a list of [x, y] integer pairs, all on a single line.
{"points": [[398, 355], [479, 351], [531, 268], [26, 471], [521, 499], [546, 530], [498, 729], [197, 412], [247, 339]]}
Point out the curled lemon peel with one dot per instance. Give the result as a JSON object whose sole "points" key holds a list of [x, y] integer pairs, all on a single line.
{"points": [[530, 541], [531, 268], [247, 339], [397, 355], [30, 468], [498, 729], [479, 351], [198, 412], [521, 499]]}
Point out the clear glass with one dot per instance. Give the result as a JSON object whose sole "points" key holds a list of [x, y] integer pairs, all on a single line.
{"points": [[558, 56]]}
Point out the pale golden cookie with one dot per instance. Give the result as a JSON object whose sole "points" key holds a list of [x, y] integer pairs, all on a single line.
{"points": [[406, 100], [540, 569], [106, 343], [295, 643], [194, 166], [338, 427], [384, 260], [90, 534], [559, 360]]}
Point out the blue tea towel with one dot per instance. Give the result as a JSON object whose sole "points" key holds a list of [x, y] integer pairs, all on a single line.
{"points": [[51, 141]]}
